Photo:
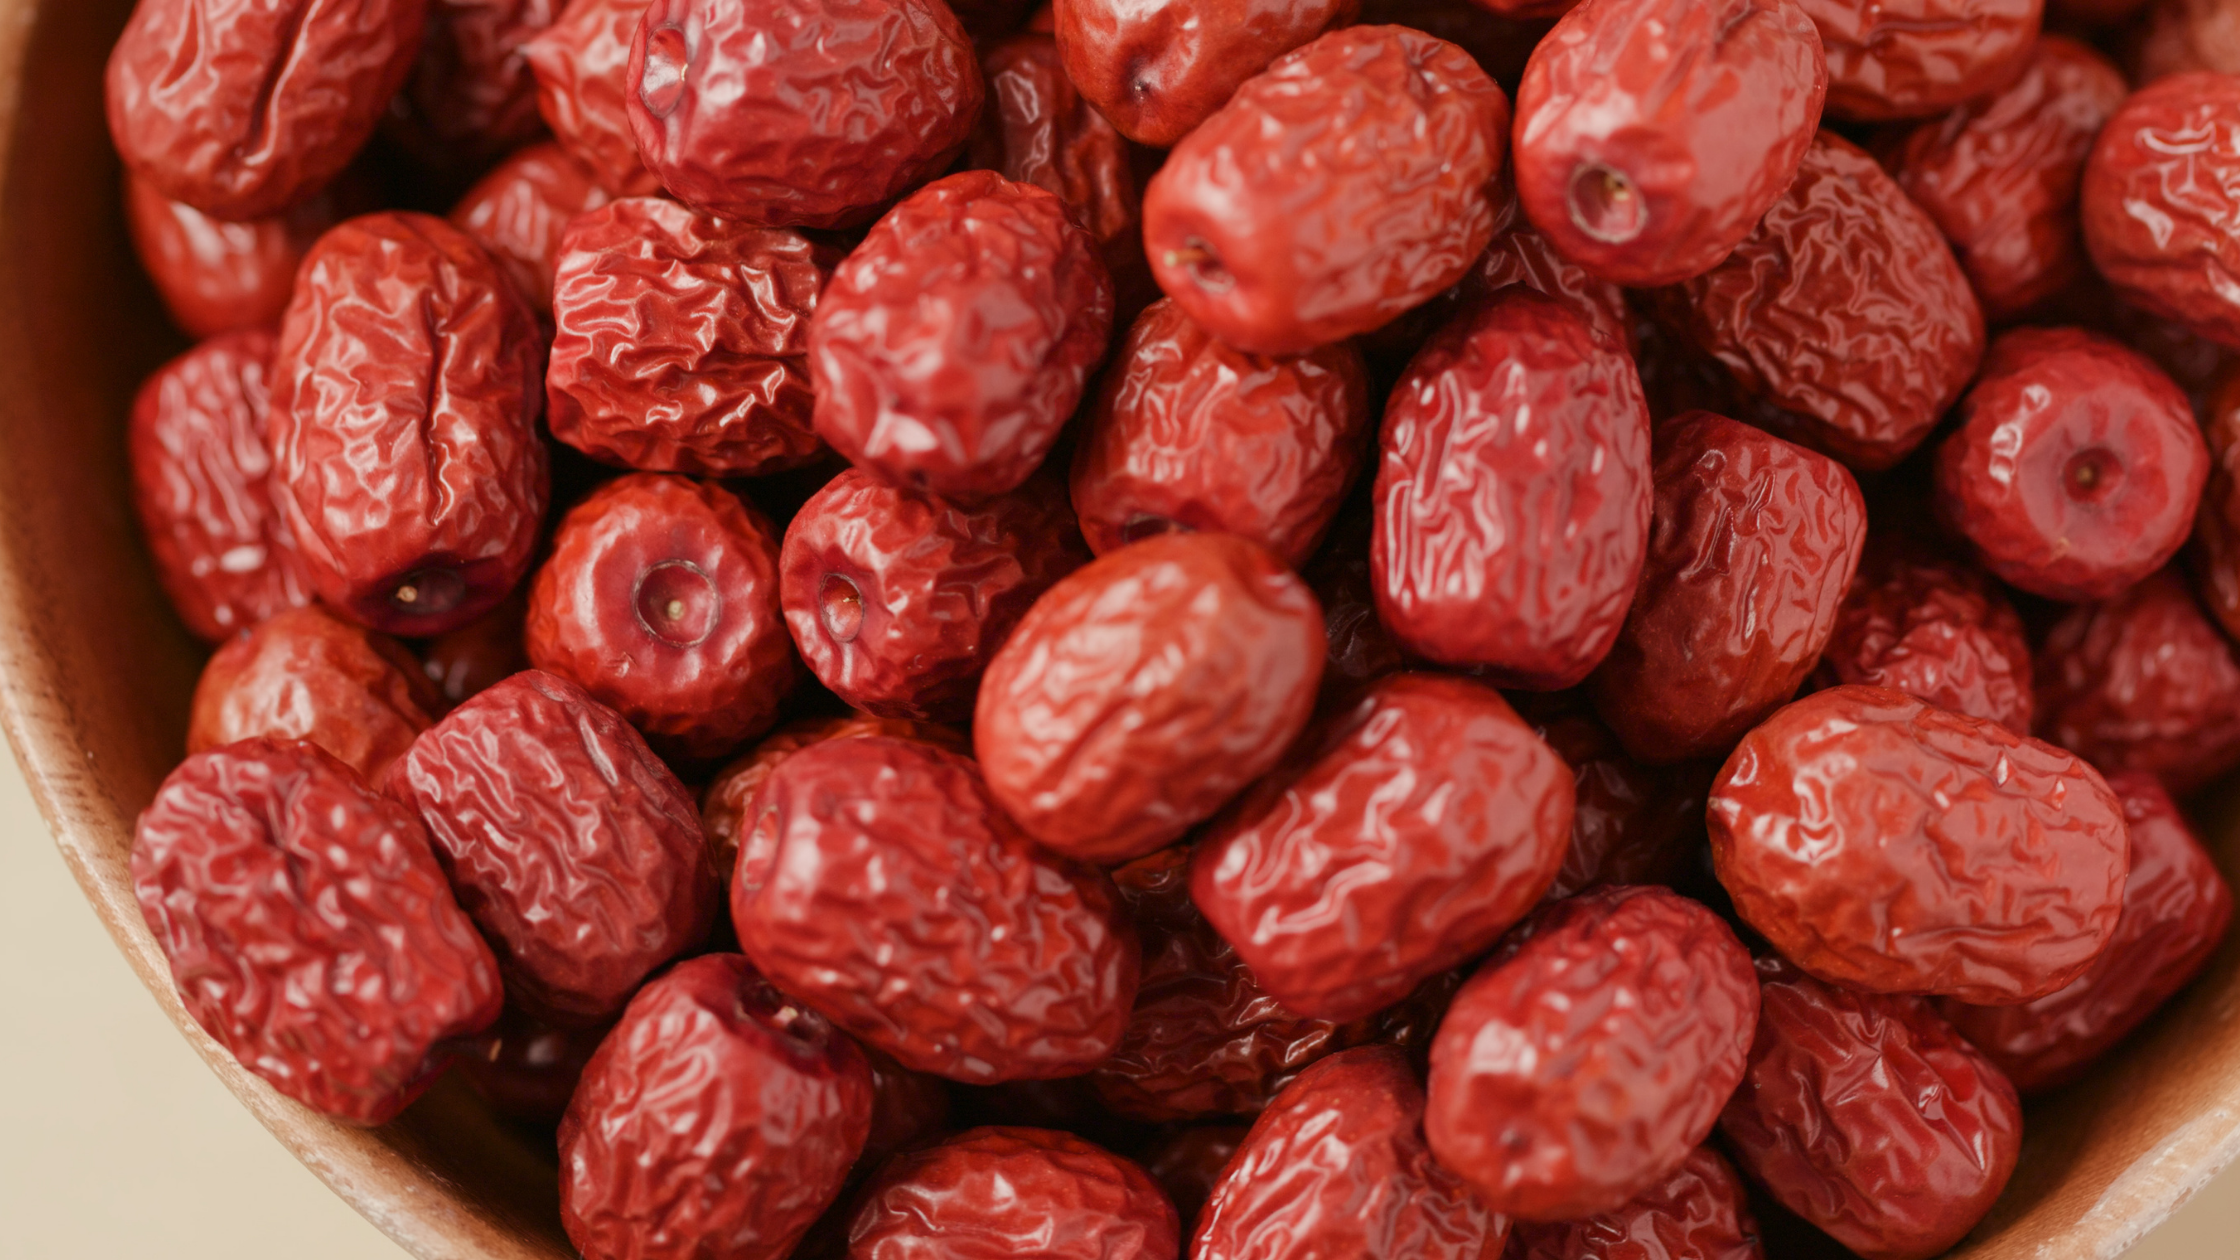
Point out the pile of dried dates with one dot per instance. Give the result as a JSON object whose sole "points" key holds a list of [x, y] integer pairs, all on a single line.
{"points": [[1247, 630]]}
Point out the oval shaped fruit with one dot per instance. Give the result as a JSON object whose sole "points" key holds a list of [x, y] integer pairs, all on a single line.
{"points": [[216, 276], [1936, 629], [306, 674], [1001, 1192], [1159, 70], [727, 803], [1701, 1212], [2160, 190], [1911, 58], [520, 210], [580, 63]]}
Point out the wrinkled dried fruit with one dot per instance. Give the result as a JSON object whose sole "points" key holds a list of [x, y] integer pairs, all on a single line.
{"points": [[200, 487], [306, 674], [1701, 1212], [661, 599], [1865, 1114], [1344, 583], [715, 1122], [878, 883], [1000, 1193], [218, 277], [2161, 191], [579, 63], [1349, 181], [1520, 255], [405, 396], [1652, 135], [471, 97], [1338, 1166], [1582, 1064], [1934, 628], [1753, 544], [727, 803], [308, 927], [1513, 495], [520, 209], [1428, 821], [1188, 433], [1892, 59], [1159, 70], [799, 113], [683, 341], [1141, 692]]}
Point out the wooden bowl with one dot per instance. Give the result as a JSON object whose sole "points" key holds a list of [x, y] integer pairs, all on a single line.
{"points": [[95, 675]]}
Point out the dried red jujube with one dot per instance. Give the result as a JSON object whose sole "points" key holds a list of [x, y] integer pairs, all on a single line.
{"points": [[726, 805], [471, 97], [1159, 70], [1001, 1192], [579, 64], [1891, 59], [304, 673], [1934, 628], [2161, 190], [520, 210], [1632, 824], [1701, 1212], [216, 276]]}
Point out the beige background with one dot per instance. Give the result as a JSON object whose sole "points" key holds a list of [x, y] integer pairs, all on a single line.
{"points": [[115, 1141]]}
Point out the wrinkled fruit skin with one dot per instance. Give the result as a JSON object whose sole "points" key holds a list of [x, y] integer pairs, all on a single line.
{"points": [[520, 210], [954, 343], [878, 883], [308, 927], [1845, 308], [2176, 908], [1866, 1115], [306, 674], [1188, 433], [2160, 192], [1159, 70], [661, 600], [1581, 1065], [527, 1070], [1381, 193], [576, 851], [1893, 847], [682, 341], [1913, 58], [1143, 691], [1513, 495], [998, 1193], [1632, 824], [1338, 1166], [897, 599], [2214, 557], [1430, 819], [2000, 175], [1936, 629], [714, 1123], [471, 97], [2076, 467], [405, 395], [242, 108], [726, 806], [1652, 135], [1187, 1164], [579, 63], [1520, 255], [2143, 681], [1753, 544], [1700, 1212], [214, 276], [200, 487], [799, 113]]}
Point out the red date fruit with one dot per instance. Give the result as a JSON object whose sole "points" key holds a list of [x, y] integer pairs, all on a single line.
{"points": [[682, 341], [878, 883], [480, 654], [898, 599], [2176, 907], [1188, 433], [520, 209], [2076, 467], [403, 431], [1894, 847], [1429, 819], [1338, 1166], [1581, 1066], [2214, 556], [1652, 135], [1866, 1115], [1187, 1164], [1159, 70], [1000, 1193], [579, 63], [1753, 544], [1513, 495], [799, 113], [954, 343], [2143, 681], [1999, 175], [726, 806], [308, 927], [1700, 1212], [2160, 194], [715, 1122], [1890, 59], [527, 1070], [242, 108], [306, 674], [214, 276], [1349, 181], [1632, 824], [573, 847], [1846, 308], [1520, 255], [661, 599], [2181, 36], [1142, 692], [200, 486], [1935, 629], [471, 98]]}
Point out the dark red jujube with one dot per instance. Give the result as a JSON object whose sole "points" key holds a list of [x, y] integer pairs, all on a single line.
{"points": [[579, 63]]}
